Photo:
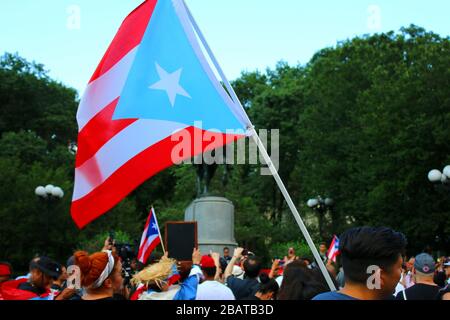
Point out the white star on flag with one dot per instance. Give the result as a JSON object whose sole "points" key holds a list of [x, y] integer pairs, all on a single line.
{"points": [[154, 226], [170, 82]]}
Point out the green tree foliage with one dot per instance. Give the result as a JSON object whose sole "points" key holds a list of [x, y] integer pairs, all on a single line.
{"points": [[375, 122]]}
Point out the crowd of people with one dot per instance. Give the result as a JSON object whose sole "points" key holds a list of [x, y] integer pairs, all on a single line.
{"points": [[373, 266]]}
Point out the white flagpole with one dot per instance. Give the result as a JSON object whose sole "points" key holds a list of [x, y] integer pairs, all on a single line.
{"points": [[266, 156], [159, 232], [294, 210]]}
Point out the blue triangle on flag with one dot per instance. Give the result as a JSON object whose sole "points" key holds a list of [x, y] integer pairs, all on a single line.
{"points": [[169, 79]]}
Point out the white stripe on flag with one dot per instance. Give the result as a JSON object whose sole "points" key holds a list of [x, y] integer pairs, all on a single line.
{"points": [[105, 89], [125, 145], [147, 245], [144, 236]]}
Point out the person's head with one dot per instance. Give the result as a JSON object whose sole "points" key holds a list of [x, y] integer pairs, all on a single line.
{"points": [[268, 288], [5, 271], [208, 267], [446, 265], [133, 264], [226, 252], [323, 247], [100, 271], [159, 276], [291, 252], [301, 283], [252, 267], [366, 250], [43, 272], [63, 277], [424, 267], [184, 269], [410, 263], [306, 260]]}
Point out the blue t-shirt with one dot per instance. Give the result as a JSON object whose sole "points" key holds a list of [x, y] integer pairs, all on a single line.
{"points": [[333, 296]]}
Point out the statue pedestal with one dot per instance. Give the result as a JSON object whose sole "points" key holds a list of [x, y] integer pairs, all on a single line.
{"points": [[215, 220]]}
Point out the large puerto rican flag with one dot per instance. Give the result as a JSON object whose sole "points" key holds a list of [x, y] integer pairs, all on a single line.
{"points": [[153, 88]]}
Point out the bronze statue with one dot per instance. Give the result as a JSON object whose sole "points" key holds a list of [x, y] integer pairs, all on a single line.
{"points": [[205, 173]]}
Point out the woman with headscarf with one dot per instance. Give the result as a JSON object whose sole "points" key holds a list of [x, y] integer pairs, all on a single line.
{"points": [[101, 274]]}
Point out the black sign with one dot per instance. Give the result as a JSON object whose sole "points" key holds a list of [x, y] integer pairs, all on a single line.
{"points": [[181, 239]]}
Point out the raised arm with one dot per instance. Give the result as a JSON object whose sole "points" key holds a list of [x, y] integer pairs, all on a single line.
{"points": [[237, 255]]}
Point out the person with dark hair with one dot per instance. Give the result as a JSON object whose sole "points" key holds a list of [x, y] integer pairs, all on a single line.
{"points": [[442, 272], [43, 271], [306, 260], [424, 287], [372, 262], [323, 251], [226, 254], [248, 286], [60, 283], [211, 288], [300, 282], [267, 289], [408, 280]]}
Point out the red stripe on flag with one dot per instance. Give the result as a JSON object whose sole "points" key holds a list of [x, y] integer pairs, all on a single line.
{"points": [[128, 37], [99, 131], [150, 249], [142, 244], [137, 170]]}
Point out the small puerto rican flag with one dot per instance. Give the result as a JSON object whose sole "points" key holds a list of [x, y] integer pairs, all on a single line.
{"points": [[333, 251], [151, 238]]}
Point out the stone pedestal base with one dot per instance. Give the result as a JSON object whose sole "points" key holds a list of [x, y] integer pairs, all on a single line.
{"points": [[215, 220]]}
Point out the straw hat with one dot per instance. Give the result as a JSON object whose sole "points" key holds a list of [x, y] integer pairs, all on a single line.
{"points": [[156, 273]]}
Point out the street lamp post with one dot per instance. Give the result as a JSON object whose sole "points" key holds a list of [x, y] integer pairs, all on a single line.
{"points": [[441, 181], [321, 206], [48, 194], [437, 177]]}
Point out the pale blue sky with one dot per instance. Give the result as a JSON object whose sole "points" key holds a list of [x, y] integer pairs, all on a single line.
{"points": [[244, 34]]}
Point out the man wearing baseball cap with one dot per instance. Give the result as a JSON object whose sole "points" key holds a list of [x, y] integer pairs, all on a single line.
{"points": [[211, 288], [43, 271], [424, 288]]}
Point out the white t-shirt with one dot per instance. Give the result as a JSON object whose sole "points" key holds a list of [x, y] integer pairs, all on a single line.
{"points": [[213, 290]]}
